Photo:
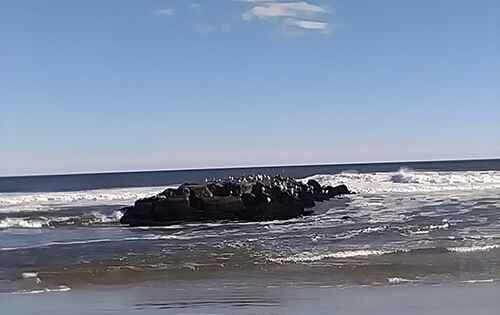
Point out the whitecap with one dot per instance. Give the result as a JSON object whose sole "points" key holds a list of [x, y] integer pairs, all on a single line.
{"points": [[43, 201], [99, 217], [313, 257], [29, 275], [25, 223], [472, 249], [398, 280], [61, 288], [406, 180], [479, 281]]}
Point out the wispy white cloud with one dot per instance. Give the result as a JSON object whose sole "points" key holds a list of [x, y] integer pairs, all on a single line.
{"points": [[257, 1], [309, 25], [205, 28], [167, 11], [292, 14], [195, 6], [283, 9]]}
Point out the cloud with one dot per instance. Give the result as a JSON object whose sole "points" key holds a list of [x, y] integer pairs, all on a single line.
{"points": [[195, 6], [165, 12], [257, 1], [309, 25], [205, 28], [292, 14], [282, 9]]}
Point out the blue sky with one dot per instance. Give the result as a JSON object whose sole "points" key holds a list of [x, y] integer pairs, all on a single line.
{"points": [[158, 84]]}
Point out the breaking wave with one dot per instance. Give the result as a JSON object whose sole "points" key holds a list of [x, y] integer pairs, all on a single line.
{"points": [[479, 281], [95, 217], [19, 202], [61, 288], [473, 249], [22, 223], [406, 180], [306, 257], [398, 280], [316, 256]]}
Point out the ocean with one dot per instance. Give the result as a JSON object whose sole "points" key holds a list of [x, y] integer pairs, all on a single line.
{"points": [[415, 229]]}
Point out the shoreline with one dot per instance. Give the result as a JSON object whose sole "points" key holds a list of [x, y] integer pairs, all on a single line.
{"points": [[236, 296]]}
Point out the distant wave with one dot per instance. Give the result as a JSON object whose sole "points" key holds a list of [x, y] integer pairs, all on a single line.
{"points": [[398, 280], [479, 281], [312, 257], [22, 223], [309, 257], [19, 202], [61, 288], [94, 217], [406, 180], [473, 249]]}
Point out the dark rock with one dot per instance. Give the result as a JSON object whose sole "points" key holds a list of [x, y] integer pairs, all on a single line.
{"points": [[254, 198], [331, 192], [320, 193], [316, 190], [314, 185], [224, 189]]}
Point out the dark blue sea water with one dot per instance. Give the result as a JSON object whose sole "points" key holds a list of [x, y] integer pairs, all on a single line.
{"points": [[411, 224], [162, 178]]}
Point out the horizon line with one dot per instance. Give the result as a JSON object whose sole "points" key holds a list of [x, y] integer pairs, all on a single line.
{"points": [[243, 167]]}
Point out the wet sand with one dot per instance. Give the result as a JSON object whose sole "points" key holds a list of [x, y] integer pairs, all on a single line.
{"points": [[244, 296]]}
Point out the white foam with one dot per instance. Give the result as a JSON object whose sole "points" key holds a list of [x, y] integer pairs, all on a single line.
{"points": [[428, 229], [443, 226], [99, 217], [312, 257], [369, 230], [32, 276], [406, 180], [472, 249], [18, 202], [398, 280], [28, 275], [479, 281], [23, 223], [61, 288], [94, 217]]}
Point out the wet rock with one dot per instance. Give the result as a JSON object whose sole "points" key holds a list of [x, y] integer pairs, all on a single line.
{"points": [[331, 192], [256, 198]]}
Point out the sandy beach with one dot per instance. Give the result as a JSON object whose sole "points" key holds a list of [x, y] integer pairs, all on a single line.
{"points": [[241, 296]]}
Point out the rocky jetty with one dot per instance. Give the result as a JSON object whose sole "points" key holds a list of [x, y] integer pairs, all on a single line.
{"points": [[249, 198]]}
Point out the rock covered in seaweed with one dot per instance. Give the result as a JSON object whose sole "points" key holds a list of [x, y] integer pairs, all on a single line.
{"points": [[251, 198]]}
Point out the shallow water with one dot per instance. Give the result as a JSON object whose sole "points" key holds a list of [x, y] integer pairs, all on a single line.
{"points": [[422, 228], [237, 296]]}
